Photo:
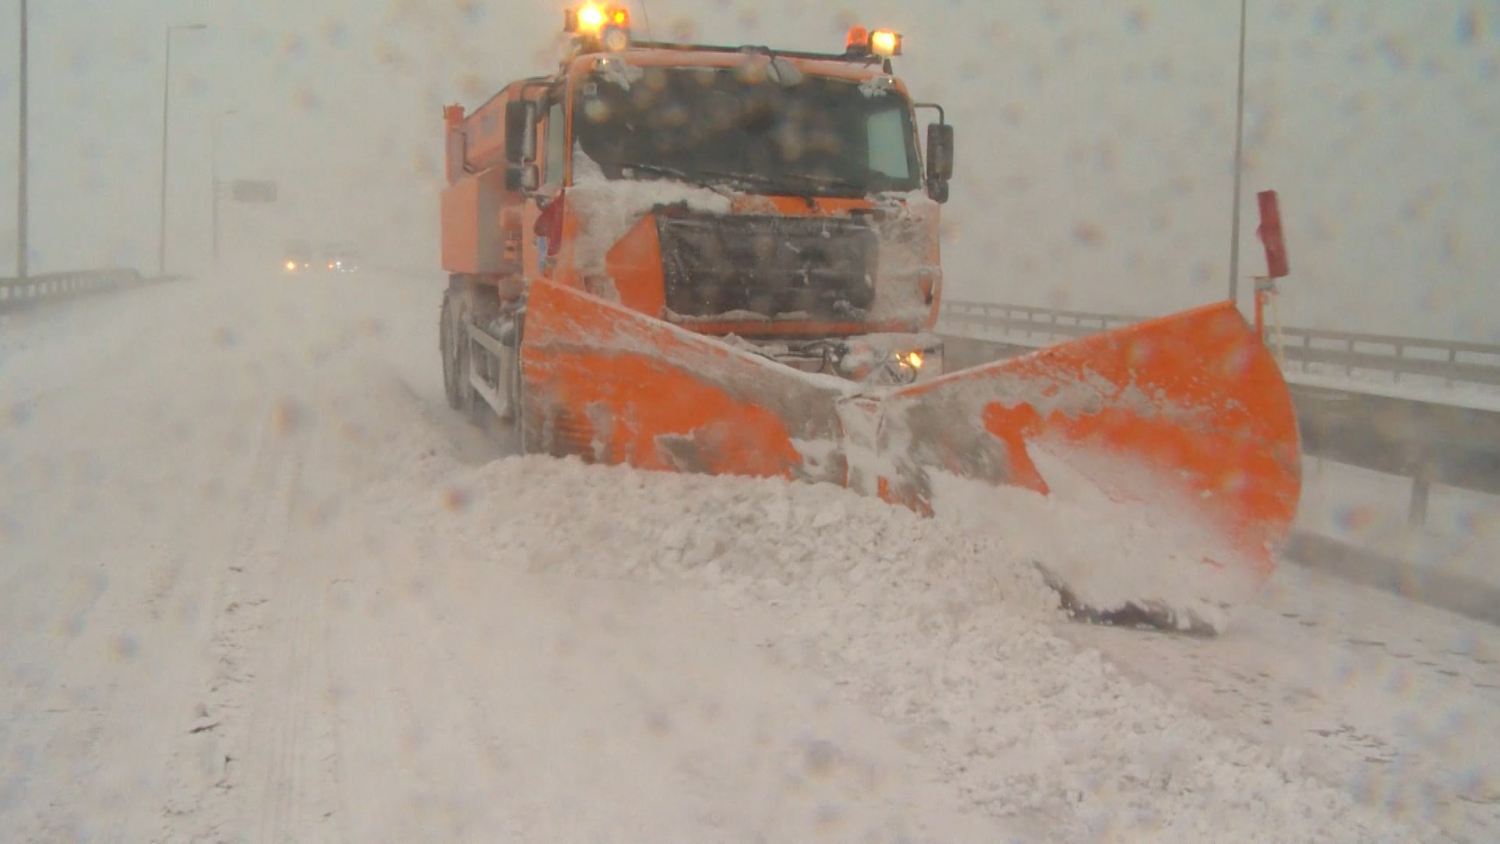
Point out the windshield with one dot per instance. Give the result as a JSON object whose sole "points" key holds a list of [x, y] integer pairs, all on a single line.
{"points": [[822, 136]]}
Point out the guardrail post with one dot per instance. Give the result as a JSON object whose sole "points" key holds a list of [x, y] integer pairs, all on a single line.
{"points": [[1452, 359], [1421, 493], [1400, 351]]}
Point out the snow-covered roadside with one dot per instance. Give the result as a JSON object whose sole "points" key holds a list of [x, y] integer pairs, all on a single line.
{"points": [[1368, 509], [1396, 701], [360, 635]]}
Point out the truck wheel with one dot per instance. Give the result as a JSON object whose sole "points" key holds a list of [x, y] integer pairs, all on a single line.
{"points": [[447, 347], [452, 343], [459, 307]]}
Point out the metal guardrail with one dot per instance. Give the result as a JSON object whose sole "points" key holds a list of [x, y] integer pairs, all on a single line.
{"points": [[16, 294], [1451, 360]]}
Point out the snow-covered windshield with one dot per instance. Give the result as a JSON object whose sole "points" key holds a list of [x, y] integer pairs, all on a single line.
{"points": [[821, 136]]}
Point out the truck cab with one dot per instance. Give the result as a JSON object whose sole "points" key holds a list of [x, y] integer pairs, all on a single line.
{"points": [[777, 197]]}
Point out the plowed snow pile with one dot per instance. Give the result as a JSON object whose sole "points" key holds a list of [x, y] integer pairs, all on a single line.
{"points": [[945, 635]]}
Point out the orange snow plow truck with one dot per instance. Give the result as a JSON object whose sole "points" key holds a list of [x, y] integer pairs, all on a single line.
{"points": [[725, 260]]}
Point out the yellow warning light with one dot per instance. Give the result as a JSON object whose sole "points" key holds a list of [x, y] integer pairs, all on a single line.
{"points": [[609, 24], [915, 359], [885, 42], [291, 266], [590, 19]]}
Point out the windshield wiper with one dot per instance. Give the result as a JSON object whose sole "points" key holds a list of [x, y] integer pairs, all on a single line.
{"points": [[826, 181], [663, 170], [658, 169], [780, 180]]}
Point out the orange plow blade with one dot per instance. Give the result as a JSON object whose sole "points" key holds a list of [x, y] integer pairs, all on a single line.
{"points": [[1182, 424], [612, 386], [1176, 436]]}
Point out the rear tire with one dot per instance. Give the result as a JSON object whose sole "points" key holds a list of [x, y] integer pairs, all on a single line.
{"points": [[461, 305]]}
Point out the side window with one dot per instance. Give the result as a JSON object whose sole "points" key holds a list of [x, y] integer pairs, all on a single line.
{"points": [[886, 134], [556, 145]]}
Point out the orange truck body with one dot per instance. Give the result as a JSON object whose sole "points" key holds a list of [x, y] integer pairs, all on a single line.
{"points": [[486, 228]]}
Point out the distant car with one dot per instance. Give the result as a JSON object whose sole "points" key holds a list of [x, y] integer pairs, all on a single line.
{"points": [[341, 260], [299, 257], [302, 258]]}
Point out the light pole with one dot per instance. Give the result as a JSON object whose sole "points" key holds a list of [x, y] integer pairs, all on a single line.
{"points": [[214, 165], [22, 246], [166, 103], [1239, 145]]}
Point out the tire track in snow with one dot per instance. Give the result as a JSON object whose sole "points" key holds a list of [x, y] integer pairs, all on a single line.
{"points": [[278, 794], [113, 707], [417, 767], [200, 800]]}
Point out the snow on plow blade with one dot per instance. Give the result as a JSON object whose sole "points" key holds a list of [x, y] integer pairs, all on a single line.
{"points": [[1183, 424], [1174, 439]]}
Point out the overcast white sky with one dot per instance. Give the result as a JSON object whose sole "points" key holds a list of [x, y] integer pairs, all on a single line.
{"points": [[1095, 137]]}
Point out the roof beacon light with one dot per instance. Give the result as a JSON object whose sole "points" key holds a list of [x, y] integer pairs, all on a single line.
{"points": [[588, 20], [609, 24], [885, 42], [858, 40]]}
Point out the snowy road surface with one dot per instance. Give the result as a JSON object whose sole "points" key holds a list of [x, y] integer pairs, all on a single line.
{"points": [[257, 583]]}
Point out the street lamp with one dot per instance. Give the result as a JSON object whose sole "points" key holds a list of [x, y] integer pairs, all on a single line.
{"points": [[214, 165], [166, 103], [1239, 144], [21, 187]]}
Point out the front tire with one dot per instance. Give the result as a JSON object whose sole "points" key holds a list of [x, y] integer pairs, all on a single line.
{"points": [[453, 345], [460, 305]]}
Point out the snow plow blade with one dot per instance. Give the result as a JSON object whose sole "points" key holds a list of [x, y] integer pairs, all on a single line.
{"points": [[1184, 421], [1182, 426], [612, 386]]}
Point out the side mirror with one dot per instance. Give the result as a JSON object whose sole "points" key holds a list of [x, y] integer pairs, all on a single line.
{"points": [[939, 152], [520, 134], [523, 178], [939, 160]]}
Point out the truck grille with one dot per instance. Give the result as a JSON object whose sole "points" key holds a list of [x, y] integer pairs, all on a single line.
{"points": [[818, 268]]}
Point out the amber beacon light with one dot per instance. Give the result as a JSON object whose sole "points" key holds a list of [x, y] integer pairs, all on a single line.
{"points": [[608, 26], [880, 42]]}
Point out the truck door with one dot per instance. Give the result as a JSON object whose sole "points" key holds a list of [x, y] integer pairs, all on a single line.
{"points": [[547, 230]]}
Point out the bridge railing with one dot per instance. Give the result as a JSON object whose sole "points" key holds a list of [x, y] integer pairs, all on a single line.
{"points": [[16, 294], [1453, 361]]}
